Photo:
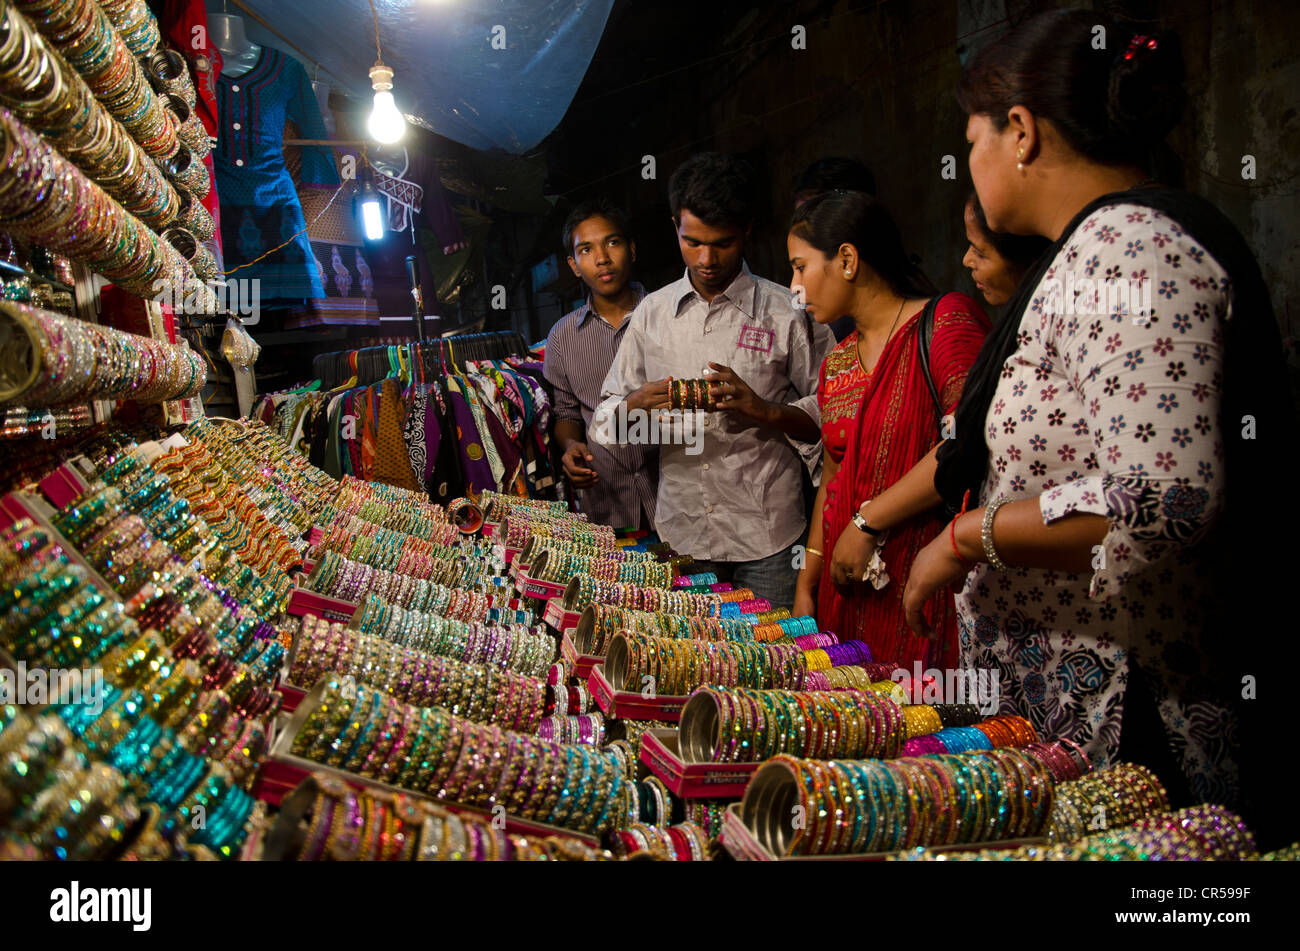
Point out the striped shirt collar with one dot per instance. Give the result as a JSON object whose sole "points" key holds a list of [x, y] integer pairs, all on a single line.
{"points": [[587, 310], [742, 291]]}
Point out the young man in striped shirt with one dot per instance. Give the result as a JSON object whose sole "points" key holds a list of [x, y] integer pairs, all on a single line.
{"points": [[615, 484]]}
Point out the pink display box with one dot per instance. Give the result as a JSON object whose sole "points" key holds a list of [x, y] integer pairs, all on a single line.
{"points": [[303, 603], [315, 535], [560, 619], [290, 697], [631, 706], [660, 754], [740, 842], [531, 588], [579, 664], [63, 486], [490, 528]]}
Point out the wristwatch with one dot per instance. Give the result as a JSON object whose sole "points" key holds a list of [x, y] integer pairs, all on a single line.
{"points": [[861, 523]]}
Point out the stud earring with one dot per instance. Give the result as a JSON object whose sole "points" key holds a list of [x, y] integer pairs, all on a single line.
{"points": [[848, 274]]}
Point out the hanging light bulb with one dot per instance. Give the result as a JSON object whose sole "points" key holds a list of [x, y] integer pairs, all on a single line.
{"points": [[372, 211], [386, 124]]}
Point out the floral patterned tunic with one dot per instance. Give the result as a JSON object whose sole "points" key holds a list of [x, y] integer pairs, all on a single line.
{"points": [[1115, 414]]}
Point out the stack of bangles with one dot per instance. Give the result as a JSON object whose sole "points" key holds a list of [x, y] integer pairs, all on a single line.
{"points": [[497, 506], [359, 540], [729, 725], [474, 691], [339, 577], [326, 820], [845, 653], [1197, 834], [1065, 759], [562, 700], [587, 729], [854, 807], [583, 590], [1106, 799], [413, 516], [676, 667], [598, 623], [72, 360], [436, 600], [685, 842], [993, 733], [550, 543], [511, 647], [649, 801], [704, 578], [550, 563], [690, 395], [707, 814], [429, 751]]}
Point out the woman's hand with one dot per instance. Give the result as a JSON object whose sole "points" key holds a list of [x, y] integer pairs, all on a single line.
{"points": [[734, 395], [936, 566], [805, 599], [853, 551]]}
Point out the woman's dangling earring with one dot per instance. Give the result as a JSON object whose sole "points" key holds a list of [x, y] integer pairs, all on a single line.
{"points": [[1020, 160]]}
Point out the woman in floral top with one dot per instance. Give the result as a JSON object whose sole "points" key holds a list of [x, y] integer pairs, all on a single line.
{"points": [[1100, 432]]}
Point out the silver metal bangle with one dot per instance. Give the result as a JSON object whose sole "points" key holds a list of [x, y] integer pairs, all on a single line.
{"points": [[986, 533]]}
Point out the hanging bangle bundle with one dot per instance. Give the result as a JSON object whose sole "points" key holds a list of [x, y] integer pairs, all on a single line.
{"points": [[49, 201], [600, 622], [83, 33], [78, 126]]}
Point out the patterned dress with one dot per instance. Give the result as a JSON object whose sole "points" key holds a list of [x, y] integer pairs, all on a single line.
{"points": [[839, 394], [259, 204], [1113, 414]]}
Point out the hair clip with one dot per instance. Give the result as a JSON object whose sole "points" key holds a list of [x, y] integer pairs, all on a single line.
{"points": [[1138, 43]]}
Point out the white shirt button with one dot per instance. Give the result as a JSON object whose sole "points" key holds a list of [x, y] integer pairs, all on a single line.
{"points": [[706, 465], [708, 508], [707, 329], [237, 127], [234, 89], [239, 162]]}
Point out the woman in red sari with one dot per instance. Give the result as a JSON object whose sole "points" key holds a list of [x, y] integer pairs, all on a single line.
{"points": [[881, 423]]}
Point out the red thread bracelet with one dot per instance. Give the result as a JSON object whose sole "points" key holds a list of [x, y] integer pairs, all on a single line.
{"points": [[952, 532]]}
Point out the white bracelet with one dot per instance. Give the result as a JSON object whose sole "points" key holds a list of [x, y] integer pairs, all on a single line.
{"points": [[986, 533]]}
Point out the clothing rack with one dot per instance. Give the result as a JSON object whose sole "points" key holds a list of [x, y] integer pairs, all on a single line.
{"points": [[372, 364]]}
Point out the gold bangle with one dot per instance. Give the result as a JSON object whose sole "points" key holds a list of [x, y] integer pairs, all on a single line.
{"points": [[813, 551]]}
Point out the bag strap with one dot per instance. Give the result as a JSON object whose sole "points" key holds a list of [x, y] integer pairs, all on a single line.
{"points": [[924, 333]]}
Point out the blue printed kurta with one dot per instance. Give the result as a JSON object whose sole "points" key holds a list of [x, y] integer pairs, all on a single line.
{"points": [[259, 205]]}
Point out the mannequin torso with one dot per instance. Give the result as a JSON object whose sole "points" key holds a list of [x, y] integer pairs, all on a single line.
{"points": [[238, 53]]}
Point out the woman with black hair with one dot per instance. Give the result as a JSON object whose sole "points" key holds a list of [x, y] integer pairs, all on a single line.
{"points": [[997, 262], [1106, 444], [883, 392]]}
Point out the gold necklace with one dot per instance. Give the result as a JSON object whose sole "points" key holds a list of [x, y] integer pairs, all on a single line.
{"points": [[863, 363]]}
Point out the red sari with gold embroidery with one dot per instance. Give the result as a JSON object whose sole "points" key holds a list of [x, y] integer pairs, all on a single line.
{"points": [[877, 426]]}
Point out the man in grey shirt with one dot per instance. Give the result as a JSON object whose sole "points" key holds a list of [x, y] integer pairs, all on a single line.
{"points": [[729, 481]]}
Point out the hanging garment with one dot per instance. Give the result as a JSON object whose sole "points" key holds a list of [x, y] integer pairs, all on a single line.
{"points": [[392, 459], [259, 203]]}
